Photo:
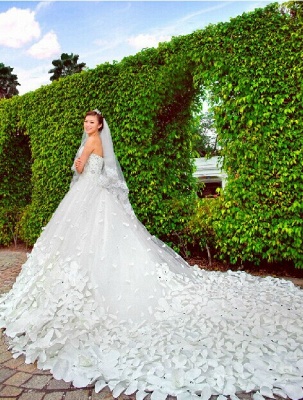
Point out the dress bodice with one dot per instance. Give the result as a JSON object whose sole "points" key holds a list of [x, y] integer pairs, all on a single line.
{"points": [[93, 166]]}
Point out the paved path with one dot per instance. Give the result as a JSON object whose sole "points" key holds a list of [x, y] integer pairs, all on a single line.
{"points": [[22, 381]]}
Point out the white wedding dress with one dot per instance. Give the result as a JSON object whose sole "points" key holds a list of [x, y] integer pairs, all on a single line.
{"points": [[101, 301]]}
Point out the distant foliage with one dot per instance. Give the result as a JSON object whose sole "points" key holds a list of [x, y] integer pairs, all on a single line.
{"points": [[8, 82], [206, 137], [66, 65], [252, 66]]}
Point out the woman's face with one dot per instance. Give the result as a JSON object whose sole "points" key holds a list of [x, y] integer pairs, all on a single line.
{"points": [[91, 125]]}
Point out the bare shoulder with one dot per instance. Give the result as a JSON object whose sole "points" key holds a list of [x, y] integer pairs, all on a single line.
{"points": [[93, 141], [95, 145]]}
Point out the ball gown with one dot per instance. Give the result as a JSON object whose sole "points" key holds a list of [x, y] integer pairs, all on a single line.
{"points": [[102, 301]]}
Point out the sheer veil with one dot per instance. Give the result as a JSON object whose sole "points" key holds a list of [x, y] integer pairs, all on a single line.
{"points": [[112, 176]]}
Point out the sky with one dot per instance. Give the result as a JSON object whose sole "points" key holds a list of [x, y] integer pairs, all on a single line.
{"points": [[33, 33]]}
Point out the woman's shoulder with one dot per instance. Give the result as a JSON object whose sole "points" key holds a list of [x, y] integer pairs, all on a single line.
{"points": [[94, 144], [92, 140]]}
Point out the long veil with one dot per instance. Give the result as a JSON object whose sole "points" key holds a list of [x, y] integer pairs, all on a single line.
{"points": [[112, 177]]}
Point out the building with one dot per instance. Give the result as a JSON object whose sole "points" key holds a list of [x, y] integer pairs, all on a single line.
{"points": [[209, 171]]}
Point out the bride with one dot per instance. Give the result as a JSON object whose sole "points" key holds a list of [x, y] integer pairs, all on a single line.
{"points": [[101, 301]]}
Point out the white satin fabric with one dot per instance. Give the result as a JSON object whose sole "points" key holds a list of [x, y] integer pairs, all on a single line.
{"points": [[101, 301]]}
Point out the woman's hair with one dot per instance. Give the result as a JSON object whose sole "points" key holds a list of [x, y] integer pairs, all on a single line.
{"points": [[96, 113]]}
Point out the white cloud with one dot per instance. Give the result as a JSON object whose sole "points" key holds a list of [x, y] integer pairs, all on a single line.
{"points": [[259, 4], [146, 40], [165, 33], [42, 5], [18, 27], [32, 79], [192, 21], [106, 44], [47, 47], [203, 11]]}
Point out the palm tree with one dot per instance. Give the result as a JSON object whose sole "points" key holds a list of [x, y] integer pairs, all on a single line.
{"points": [[8, 82], [66, 65]]}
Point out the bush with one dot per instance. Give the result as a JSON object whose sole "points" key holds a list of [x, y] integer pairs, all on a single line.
{"points": [[9, 218], [198, 237]]}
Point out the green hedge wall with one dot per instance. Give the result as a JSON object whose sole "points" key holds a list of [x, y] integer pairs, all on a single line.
{"points": [[256, 86], [149, 114], [15, 167], [253, 68]]}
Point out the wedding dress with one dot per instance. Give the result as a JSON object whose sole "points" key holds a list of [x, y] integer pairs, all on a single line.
{"points": [[101, 301]]}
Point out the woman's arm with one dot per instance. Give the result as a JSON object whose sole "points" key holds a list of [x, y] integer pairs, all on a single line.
{"points": [[88, 149]]}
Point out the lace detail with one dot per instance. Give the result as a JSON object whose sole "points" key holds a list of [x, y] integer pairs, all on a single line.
{"points": [[93, 166], [109, 180]]}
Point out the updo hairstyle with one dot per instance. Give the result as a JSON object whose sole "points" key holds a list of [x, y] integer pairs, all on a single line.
{"points": [[96, 113]]}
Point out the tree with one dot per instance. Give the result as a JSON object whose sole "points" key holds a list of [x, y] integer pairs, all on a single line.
{"points": [[8, 82], [206, 137], [66, 65]]}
